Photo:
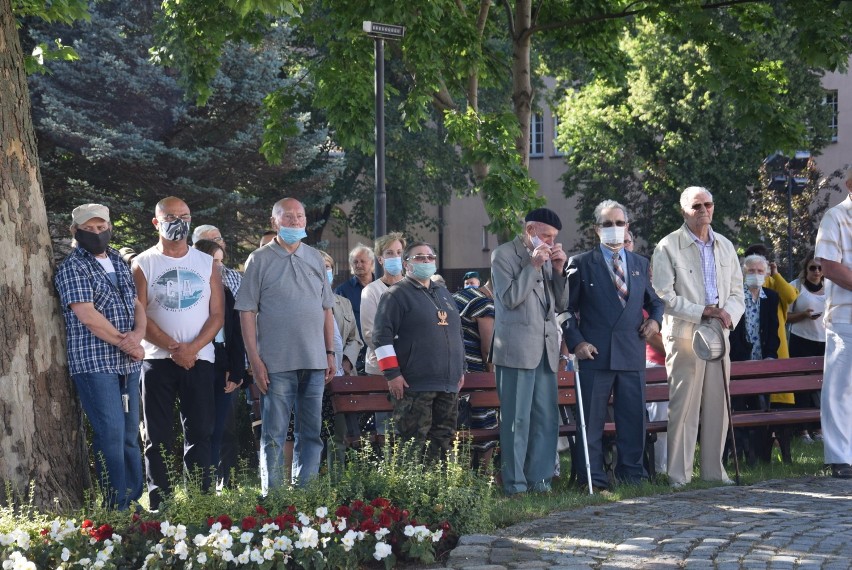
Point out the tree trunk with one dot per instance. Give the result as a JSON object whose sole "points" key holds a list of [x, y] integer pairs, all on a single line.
{"points": [[522, 91], [42, 441]]}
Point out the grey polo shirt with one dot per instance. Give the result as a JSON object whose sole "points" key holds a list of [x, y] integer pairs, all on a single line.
{"points": [[289, 293]]}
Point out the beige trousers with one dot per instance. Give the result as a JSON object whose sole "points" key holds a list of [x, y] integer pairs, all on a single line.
{"points": [[696, 395]]}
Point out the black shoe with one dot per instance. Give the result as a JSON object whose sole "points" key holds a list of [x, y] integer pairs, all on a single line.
{"points": [[841, 471]]}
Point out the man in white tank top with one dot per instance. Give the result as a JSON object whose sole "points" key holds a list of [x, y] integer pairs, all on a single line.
{"points": [[183, 300]]}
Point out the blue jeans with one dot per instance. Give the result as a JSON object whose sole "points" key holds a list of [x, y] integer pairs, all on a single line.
{"points": [[302, 390], [115, 434]]}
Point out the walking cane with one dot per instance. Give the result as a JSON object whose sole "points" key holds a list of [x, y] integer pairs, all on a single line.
{"points": [[583, 422], [730, 421]]}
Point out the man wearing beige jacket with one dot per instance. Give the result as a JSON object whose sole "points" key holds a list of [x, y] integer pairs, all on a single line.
{"points": [[697, 274]]}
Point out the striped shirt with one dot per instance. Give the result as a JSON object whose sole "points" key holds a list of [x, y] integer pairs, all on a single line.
{"points": [[81, 279], [708, 266], [834, 243], [473, 304]]}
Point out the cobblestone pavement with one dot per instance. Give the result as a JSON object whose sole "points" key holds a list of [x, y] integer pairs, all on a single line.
{"points": [[776, 525]]}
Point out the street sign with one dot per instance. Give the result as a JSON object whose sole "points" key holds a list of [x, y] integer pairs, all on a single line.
{"points": [[385, 31]]}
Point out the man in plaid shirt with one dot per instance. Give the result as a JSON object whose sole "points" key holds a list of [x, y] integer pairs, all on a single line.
{"points": [[104, 324]]}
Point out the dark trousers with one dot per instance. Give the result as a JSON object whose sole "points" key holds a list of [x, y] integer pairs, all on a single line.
{"points": [[628, 391], [223, 444], [162, 382]]}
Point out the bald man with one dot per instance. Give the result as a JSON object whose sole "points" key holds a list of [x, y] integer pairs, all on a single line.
{"points": [[184, 303]]}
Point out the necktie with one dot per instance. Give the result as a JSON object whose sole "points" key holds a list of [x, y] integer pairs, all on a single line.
{"points": [[618, 279]]}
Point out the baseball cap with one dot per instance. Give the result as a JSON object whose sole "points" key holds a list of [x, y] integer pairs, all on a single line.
{"points": [[84, 213]]}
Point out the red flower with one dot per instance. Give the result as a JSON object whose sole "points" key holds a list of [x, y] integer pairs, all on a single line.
{"points": [[385, 520], [267, 520], [103, 532], [44, 531], [210, 521], [291, 509], [445, 526], [357, 505], [380, 502], [135, 517], [369, 525], [225, 521], [285, 521], [405, 513], [260, 510], [394, 513], [343, 511], [249, 523], [149, 527], [87, 524], [368, 511]]}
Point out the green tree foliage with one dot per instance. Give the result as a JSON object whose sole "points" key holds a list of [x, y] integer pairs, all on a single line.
{"points": [[672, 120], [115, 128]]}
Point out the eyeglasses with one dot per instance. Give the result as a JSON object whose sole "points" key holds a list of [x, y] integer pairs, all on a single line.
{"points": [[422, 257], [814, 268], [706, 205], [219, 239], [609, 224], [169, 218]]}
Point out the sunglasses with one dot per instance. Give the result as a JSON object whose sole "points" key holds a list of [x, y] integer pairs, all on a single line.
{"points": [[609, 224], [422, 257], [705, 205], [814, 268]]}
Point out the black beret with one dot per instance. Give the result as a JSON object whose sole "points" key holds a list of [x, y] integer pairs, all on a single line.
{"points": [[545, 216], [471, 275]]}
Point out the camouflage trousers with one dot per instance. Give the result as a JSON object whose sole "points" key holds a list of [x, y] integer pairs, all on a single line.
{"points": [[427, 418]]}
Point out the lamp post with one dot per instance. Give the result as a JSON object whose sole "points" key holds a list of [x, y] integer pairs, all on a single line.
{"points": [[380, 33], [787, 175]]}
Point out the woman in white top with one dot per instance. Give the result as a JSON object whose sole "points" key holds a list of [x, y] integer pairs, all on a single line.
{"points": [[807, 331], [388, 250]]}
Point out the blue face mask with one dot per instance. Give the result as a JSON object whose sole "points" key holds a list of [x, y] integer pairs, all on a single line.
{"points": [[291, 235], [330, 275], [423, 271], [471, 286], [393, 265]]}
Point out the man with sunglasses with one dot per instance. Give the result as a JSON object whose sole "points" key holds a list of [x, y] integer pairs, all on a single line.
{"points": [[697, 274], [183, 297], [529, 288], [834, 254], [419, 348], [607, 289]]}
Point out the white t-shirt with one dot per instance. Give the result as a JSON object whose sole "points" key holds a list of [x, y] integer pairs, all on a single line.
{"points": [[178, 297], [811, 329], [834, 243]]}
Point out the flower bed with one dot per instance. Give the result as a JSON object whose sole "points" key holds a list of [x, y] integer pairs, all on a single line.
{"points": [[356, 534]]}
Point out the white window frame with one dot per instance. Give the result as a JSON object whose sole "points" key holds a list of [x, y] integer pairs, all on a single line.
{"points": [[831, 100], [537, 134]]}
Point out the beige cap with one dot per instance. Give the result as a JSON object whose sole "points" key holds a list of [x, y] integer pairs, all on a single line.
{"points": [[84, 213]]}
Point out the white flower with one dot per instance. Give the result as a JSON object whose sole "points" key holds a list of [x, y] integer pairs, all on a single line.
{"points": [[327, 527], [228, 556], [341, 524], [116, 538], [361, 535], [244, 556], [381, 533], [308, 538], [66, 554], [180, 532], [84, 561], [283, 544], [383, 550], [303, 518], [322, 512], [348, 540], [324, 541], [246, 537], [201, 558], [256, 556], [18, 561], [199, 540], [268, 554], [182, 550], [98, 564], [268, 527], [224, 541], [215, 527], [409, 530], [436, 536]]}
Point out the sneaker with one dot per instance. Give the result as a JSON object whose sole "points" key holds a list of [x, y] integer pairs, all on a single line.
{"points": [[818, 436], [841, 471], [806, 438]]}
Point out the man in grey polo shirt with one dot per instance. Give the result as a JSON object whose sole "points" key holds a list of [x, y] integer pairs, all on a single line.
{"points": [[285, 302]]}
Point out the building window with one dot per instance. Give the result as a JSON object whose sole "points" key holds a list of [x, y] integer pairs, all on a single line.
{"points": [[537, 135], [556, 150], [830, 100]]}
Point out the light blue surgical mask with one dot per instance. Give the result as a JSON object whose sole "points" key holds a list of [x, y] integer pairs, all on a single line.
{"points": [[423, 271], [329, 275], [471, 286], [291, 235], [393, 265]]}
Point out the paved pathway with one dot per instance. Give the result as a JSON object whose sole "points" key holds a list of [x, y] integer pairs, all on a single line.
{"points": [[776, 525]]}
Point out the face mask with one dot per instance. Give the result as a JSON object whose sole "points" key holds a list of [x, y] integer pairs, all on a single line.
{"points": [[291, 235], [393, 265], [174, 231], [471, 286], [613, 236], [753, 280], [536, 241], [329, 275], [94, 243], [423, 271]]}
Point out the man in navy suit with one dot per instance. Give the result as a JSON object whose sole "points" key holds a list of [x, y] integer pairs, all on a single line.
{"points": [[607, 289]]}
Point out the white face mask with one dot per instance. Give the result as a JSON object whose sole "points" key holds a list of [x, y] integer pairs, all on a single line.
{"points": [[753, 280], [536, 241], [613, 236]]}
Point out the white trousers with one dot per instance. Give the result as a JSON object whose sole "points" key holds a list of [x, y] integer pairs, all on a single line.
{"points": [[836, 400]]}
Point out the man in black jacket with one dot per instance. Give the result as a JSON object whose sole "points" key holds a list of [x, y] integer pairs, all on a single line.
{"points": [[419, 347]]}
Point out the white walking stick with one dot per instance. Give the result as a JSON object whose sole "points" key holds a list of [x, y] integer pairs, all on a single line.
{"points": [[582, 422]]}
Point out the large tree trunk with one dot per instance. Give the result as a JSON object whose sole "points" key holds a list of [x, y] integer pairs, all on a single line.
{"points": [[42, 441], [522, 91]]}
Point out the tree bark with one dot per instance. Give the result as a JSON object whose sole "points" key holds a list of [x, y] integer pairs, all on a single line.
{"points": [[522, 91], [42, 441]]}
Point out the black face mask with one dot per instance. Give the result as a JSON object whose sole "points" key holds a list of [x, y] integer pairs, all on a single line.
{"points": [[94, 243]]}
